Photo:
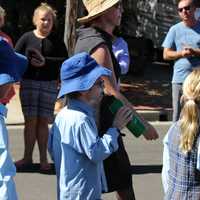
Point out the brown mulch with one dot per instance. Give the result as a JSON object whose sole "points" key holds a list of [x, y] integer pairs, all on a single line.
{"points": [[151, 90]]}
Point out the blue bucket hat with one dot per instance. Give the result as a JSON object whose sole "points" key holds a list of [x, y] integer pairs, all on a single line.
{"points": [[12, 64], [79, 73]]}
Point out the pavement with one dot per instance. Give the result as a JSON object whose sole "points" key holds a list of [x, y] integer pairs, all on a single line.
{"points": [[145, 157], [149, 92]]}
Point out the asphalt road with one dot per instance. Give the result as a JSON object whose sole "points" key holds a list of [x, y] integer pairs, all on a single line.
{"points": [[145, 156]]}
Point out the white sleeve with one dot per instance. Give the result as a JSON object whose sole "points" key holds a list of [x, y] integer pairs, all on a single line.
{"points": [[165, 168], [198, 157]]}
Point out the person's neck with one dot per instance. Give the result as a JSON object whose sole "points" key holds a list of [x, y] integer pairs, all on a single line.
{"points": [[87, 99], [190, 23], [40, 34], [104, 26]]}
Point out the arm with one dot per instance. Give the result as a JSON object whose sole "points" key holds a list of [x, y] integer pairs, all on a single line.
{"points": [[195, 52], [96, 148], [103, 57], [56, 55], [20, 45], [170, 54], [59, 55], [8, 169], [170, 47]]}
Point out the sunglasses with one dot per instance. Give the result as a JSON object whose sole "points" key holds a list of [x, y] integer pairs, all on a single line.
{"points": [[186, 8]]}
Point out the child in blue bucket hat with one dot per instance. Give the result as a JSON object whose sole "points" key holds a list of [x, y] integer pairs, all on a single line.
{"points": [[12, 67], [74, 144]]}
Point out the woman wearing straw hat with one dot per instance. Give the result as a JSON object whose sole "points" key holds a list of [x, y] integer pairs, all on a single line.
{"points": [[95, 37]]}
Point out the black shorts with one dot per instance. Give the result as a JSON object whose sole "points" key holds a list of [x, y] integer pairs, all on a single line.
{"points": [[117, 166]]}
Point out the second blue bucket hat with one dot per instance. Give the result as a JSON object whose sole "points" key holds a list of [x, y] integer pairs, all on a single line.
{"points": [[12, 64], [79, 73]]}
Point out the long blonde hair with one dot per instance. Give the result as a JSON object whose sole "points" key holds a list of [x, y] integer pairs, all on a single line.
{"points": [[189, 118]]}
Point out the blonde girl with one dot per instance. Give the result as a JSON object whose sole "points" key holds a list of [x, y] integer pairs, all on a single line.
{"points": [[181, 159], [38, 89]]}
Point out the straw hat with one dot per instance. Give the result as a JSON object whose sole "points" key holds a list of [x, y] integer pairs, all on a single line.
{"points": [[96, 8]]}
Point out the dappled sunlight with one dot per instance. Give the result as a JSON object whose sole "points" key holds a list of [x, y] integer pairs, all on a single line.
{"points": [[151, 90]]}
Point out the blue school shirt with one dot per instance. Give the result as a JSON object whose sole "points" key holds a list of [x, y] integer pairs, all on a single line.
{"points": [[7, 168], [177, 38], [78, 152]]}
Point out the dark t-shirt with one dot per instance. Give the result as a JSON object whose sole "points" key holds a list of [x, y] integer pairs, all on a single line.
{"points": [[89, 38], [53, 50]]}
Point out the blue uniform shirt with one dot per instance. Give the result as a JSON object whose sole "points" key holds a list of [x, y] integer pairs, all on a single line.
{"points": [[7, 168], [178, 37], [78, 152]]}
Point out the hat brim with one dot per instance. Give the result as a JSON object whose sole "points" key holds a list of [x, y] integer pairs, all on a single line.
{"points": [[83, 83], [5, 79], [97, 13], [13, 65]]}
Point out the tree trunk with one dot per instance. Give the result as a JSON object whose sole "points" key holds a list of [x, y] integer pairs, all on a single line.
{"points": [[74, 9], [70, 25]]}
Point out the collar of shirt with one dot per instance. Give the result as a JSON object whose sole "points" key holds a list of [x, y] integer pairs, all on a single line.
{"points": [[81, 106], [3, 110]]}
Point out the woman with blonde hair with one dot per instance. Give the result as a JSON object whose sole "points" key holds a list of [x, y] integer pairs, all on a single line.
{"points": [[39, 87], [181, 158]]}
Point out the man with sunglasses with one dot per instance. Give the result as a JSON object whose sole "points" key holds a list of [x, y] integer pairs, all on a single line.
{"points": [[182, 45]]}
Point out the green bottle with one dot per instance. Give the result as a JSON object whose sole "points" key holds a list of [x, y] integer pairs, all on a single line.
{"points": [[135, 125]]}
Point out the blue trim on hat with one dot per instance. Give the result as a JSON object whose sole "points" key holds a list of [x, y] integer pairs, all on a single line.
{"points": [[5, 78]]}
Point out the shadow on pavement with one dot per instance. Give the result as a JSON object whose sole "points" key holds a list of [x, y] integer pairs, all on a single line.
{"points": [[146, 169], [152, 90], [35, 168], [135, 169]]}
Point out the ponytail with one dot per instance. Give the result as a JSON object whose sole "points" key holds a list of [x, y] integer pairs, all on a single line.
{"points": [[190, 114]]}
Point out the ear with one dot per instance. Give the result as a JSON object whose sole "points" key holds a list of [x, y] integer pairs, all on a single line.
{"points": [[85, 93]]}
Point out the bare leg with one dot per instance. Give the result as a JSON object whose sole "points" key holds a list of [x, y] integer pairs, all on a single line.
{"points": [[42, 137], [126, 194], [29, 138], [29, 143]]}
